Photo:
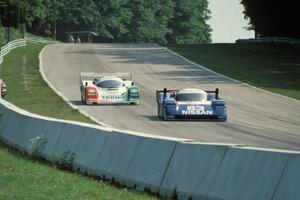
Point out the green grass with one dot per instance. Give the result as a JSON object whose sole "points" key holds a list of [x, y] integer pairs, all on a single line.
{"points": [[275, 68], [27, 90], [24, 178], [39, 37]]}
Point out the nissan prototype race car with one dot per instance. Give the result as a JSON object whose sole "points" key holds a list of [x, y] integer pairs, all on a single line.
{"points": [[3, 90], [190, 104], [108, 88]]}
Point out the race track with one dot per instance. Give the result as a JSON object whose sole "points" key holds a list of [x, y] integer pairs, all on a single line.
{"points": [[255, 117]]}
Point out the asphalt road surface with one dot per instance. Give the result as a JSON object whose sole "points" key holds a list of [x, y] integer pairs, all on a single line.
{"points": [[255, 117]]}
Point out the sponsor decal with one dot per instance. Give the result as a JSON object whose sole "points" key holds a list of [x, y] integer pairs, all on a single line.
{"points": [[196, 110], [114, 97]]}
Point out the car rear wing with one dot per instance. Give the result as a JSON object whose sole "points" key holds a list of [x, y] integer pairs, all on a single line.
{"points": [[165, 91], [90, 76], [216, 92]]}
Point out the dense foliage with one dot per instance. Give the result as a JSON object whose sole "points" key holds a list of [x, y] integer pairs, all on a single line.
{"points": [[173, 21], [271, 18]]}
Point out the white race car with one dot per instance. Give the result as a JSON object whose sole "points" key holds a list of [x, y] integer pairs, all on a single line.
{"points": [[3, 89], [108, 88]]}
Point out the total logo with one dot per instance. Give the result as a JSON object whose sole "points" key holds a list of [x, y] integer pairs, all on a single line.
{"points": [[118, 97], [196, 110]]}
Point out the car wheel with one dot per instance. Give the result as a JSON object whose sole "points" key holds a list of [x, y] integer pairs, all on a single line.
{"points": [[82, 100], [158, 111], [164, 117], [223, 119]]}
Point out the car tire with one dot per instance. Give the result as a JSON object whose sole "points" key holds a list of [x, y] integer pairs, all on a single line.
{"points": [[158, 111], [164, 115], [82, 100], [223, 119]]}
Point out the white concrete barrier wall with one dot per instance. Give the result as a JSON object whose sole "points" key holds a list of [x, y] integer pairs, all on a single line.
{"points": [[289, 187], [49, 139], [89, 150], [10, 129], [248, 174], [165, 165], [67, 141], [115, 156], [32, 129], [199, 171], [148, 163], [4, 113], [128, 158], [192, 170]]}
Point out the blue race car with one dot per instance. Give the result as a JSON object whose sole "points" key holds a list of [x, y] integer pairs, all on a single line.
{"points": [[190, 104]]}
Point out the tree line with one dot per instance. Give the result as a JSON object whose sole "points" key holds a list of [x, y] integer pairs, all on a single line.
{"points": [[271, 18], [172, 21]]}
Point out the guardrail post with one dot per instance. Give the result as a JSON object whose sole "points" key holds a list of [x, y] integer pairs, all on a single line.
{"points": [[8, 47]]}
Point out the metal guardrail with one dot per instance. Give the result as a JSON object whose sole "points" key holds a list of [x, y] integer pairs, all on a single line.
{"points": [[278, 40], [19, 43]]}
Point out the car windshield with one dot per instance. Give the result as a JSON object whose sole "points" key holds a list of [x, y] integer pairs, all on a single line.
{"points": [[110, 84], [191, 97]]}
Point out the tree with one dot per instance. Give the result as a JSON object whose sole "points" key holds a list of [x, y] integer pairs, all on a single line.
{"points": [[150, 20], [115, 17], [271, 18], [189, 22], [77, 15], [10, 12], [177, 21]]}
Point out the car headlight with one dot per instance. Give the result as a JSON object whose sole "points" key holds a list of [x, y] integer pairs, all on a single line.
{"points": [[92, 91], [134, 90]]}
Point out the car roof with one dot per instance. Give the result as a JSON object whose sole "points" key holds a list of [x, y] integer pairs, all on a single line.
{"points": [[191, 90]]}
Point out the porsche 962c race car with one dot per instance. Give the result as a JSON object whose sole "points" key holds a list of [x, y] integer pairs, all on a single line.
{"points": [[108, 88], [193, 104]]}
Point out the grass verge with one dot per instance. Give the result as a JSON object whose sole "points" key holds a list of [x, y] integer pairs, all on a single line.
{"points": [[22, 177], [27, 89], [272, 67]]}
